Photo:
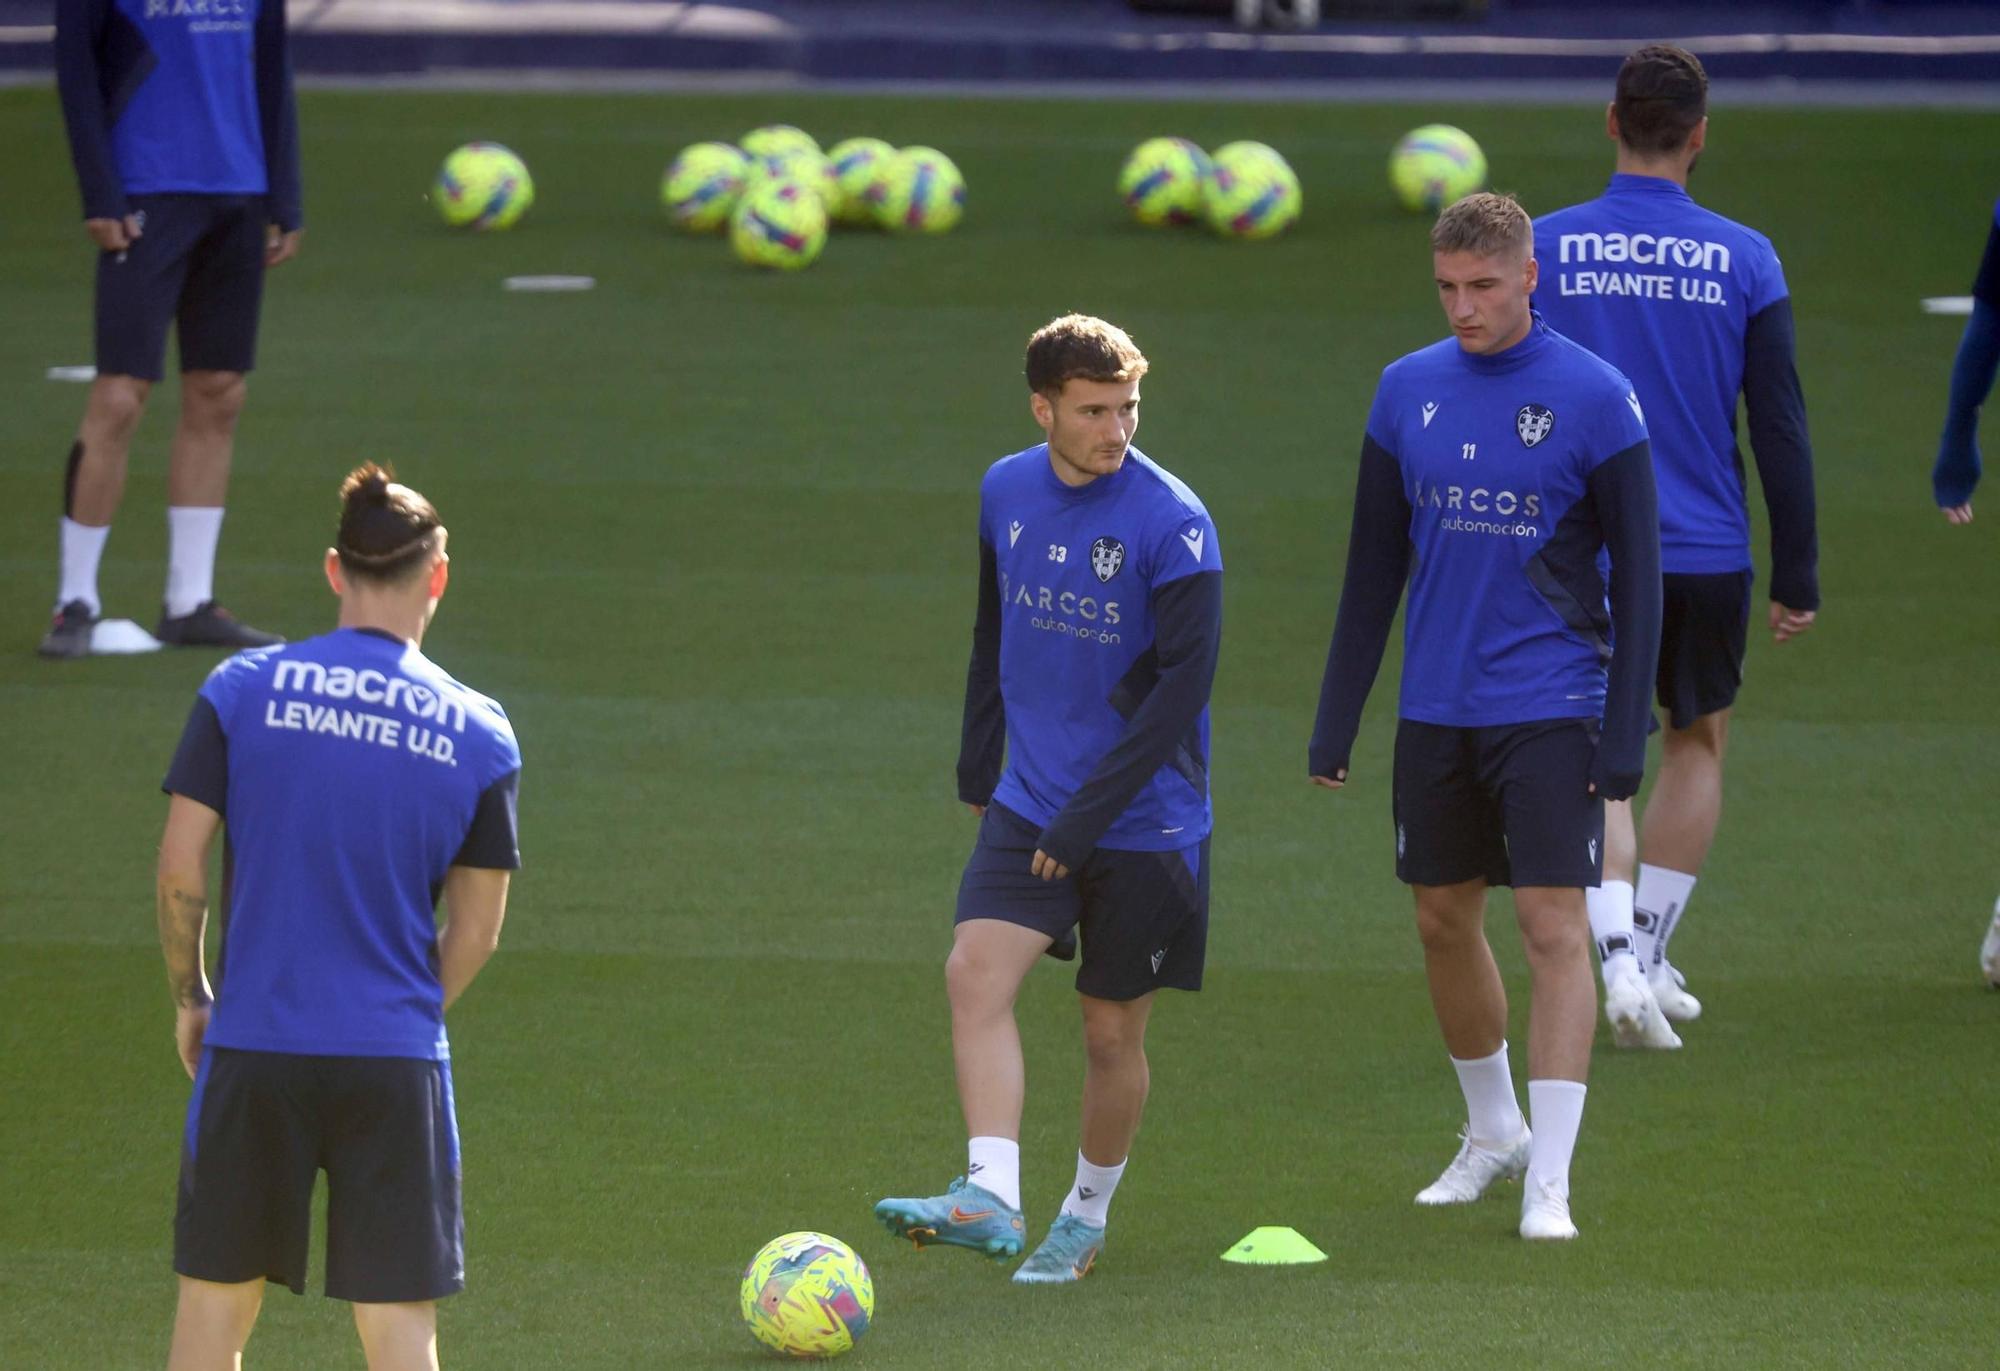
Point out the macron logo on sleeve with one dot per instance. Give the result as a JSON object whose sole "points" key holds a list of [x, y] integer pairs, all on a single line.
{"points": [[1193, 538], [1632, 399], [1014, 532], [1430, 412]]}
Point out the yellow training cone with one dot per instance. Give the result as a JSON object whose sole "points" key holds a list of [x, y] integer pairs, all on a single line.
{"points": [[1274, 1247]]}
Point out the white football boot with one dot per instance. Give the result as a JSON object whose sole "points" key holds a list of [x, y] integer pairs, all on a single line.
{"points": [[1545, 1212], [1634, 1012], [1670, 990], [1474, 1169], [1989, 950]]}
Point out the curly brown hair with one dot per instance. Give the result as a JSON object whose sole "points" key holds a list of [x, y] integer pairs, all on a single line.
{"points": [[1078, 347]]}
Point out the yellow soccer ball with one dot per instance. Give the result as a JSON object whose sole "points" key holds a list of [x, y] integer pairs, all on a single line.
{"points": [[702, 184], [857, 164], [778, 224], [807, 1295], [482, 187], [920, 191], [1434, 166]]}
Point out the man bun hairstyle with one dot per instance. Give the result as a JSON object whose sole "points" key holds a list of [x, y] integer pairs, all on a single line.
{"points": [[1662, 98], [1078, 347], [1485, 225], [387, 531]]}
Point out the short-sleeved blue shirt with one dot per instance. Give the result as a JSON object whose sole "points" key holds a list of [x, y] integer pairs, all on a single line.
{"points": [[1078, 566], [352, 773]]}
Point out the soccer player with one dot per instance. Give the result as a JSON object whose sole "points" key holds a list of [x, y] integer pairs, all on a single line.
{"points": [[1100, 615], [1497, 466], [1693, 307], [357, 782], [1956, 473], [182, 129]]}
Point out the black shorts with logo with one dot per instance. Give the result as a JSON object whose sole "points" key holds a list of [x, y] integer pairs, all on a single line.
{"points": [[1704, 631], [1143, 915], [1509, 804], [198, 261], [261, 1125]]}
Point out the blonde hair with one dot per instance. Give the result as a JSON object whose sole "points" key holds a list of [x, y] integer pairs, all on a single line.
{"points": [[1078, 347], [1486, 225]]}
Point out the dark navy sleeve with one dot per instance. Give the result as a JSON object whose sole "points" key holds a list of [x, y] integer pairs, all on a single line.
{"points": [[277, 111], [1986, 286], [1187, 639], [1956, 473], [200, 769], [1777, 411], [1622, 491], [1378, 562], [80, 26], [983, 739], [493, 841]]}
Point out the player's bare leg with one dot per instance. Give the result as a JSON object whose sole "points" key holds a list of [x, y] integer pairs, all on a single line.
{"points": [[197, 486], [398, 1337], [1115, 1081], [93, 484], [1471, 1007], [989, 960], [1674, 839], [1466, 991], [1555, 934], [211, 1324]]}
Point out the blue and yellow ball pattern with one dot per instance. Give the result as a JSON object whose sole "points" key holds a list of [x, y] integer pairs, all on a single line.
{"points": [[1252, 192], [857, 164], [807, 1295], [1434, 166], [1164, 181], [702, 184], [920, 191], [482, 187], [779, 224]]}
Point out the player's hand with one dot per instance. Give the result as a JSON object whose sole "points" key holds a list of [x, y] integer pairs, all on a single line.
{"points": [[978, 811], [1047, 867], [190, 1027], [114, 235], [1959, 514], [1787, 624], [280, 246], [1333, 782]]}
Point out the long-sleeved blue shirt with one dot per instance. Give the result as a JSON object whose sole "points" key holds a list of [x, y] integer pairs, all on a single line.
{"points": [[1693, 308], [1956, 472], [1099, 624], [179, 96], [1493, 484]]}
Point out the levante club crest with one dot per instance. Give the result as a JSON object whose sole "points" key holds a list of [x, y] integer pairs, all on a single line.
{"points": [[1534, 423], [1106, 556]]}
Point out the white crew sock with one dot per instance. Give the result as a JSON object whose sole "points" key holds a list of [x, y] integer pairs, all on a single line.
{"points": [[1090, 1198], [192, 533], [1610, 907], [995, 1164], [82, 550], [1557, 1110], [1662, 898], [1492, 1114]]}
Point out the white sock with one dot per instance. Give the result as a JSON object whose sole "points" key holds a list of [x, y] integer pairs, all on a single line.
{"points": [[192, 533], [82, 550], [1557, 1109], [1662, 898], [995, 1164], [1492, 1114], [1610, 907], [1090, 1198]]}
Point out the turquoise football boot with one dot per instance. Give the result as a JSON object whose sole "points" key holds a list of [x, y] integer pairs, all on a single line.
{"points": [[1066, 1254], [966, 1215]]}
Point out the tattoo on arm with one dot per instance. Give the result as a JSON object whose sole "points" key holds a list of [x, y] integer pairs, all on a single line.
{"points": [[183, 911]]}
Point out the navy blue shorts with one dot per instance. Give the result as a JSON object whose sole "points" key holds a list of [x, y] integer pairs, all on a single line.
{"points": [[1509, 804], [1704, 631], [262, 1124], [1143, 915], [198, 262]]}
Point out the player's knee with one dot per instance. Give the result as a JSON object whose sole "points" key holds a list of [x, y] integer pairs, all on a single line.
{"points": [[1113, 1034], [213, 399], [1706, 736], [970, 980], [1552, 931], [117, 402], [1443, 926]]}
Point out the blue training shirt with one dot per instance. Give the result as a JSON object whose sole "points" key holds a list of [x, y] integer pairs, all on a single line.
{"points": [[1104, 603], [1671, 294], [178, 97], [351, 773], [1494, 483]]}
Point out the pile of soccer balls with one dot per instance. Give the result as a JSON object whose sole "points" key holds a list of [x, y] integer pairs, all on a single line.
{"points": [[777, 192], [1248, 190]]}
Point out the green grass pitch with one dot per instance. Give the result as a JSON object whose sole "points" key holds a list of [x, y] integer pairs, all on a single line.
{"points": [[713, 535]]}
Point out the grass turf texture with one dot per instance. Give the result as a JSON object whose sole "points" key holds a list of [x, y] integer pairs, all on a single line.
{"points": [[713, 542]]}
